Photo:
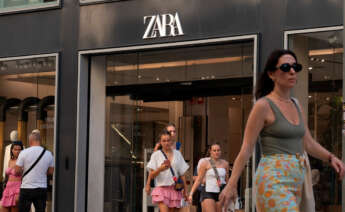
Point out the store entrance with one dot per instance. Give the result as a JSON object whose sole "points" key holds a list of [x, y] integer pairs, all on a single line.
{"points": [[203, 112], [205, 90]]}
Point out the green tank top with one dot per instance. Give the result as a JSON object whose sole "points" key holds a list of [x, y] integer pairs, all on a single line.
{"points": [[282, 137]]}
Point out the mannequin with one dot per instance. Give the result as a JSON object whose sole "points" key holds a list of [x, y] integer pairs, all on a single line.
{"points": [[7, 156]]}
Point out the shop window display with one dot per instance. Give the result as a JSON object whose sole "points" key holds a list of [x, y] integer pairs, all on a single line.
{"points": [[321, 54], [27, 100]]}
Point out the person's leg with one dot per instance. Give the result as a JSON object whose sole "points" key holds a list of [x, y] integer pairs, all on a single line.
{"points": [[219, 207], [173, 209], [25, 200], [209, 205], [40, 200], [163, 207], [14, 209], [5, 209]]}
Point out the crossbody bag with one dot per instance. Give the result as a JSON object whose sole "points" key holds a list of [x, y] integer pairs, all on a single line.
{"points": [[179, 185], [213, 165], [34, 164]]}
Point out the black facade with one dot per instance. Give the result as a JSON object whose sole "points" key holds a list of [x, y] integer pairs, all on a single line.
{"points": [[75, 27]]}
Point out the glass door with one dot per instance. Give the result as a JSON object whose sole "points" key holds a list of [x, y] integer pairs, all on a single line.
{"points": [[320, 90]]}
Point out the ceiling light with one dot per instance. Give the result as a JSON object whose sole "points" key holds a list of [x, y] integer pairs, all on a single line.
{"points": [[310, 68], [322, 60]]}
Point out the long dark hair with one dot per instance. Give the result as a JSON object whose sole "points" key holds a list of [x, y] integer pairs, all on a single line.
{"points": [[16, 143], [265, 84]]}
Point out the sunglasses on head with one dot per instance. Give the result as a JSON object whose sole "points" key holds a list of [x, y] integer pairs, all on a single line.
{"points": [[286, 67]]}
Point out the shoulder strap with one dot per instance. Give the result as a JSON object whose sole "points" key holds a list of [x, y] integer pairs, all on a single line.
{"points": [[171, 170], [213, 164], [273, 106], [34, 164]]}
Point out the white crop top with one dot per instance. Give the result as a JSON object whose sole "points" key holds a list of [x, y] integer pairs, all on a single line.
{"points": [[211, 179]]}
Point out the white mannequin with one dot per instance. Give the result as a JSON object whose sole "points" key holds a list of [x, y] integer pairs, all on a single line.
{"points": [[7, 155]]}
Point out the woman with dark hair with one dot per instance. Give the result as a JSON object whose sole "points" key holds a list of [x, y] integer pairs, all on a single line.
{"points": [[277, 118], [10, 195], [165, 167], [215, 172]]}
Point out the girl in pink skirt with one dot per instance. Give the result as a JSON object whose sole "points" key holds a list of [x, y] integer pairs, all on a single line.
{"points": [[10, 195], [159, 166]]}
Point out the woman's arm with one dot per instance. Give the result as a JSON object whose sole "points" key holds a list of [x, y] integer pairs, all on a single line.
{"points": [[155, 173], [148, 184], [313, 148], [201, 175]]}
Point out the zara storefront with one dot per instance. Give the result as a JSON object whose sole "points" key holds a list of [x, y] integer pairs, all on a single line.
{"points": [[117, 72]]}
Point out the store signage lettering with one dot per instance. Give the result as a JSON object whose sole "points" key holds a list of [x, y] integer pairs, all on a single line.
{"points": [[166, 25]]}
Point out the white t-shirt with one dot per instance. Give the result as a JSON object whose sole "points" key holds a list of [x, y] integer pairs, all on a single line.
{"points": [[165, 177], [37, 177]]}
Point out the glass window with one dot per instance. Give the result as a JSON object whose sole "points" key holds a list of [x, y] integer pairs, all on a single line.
{"points": [[206, 91], [27, 97], [320, 88], [21, 5]]}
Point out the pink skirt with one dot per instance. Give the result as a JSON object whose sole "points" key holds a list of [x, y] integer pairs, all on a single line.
{"points": [[167, 195], [10, 193]]}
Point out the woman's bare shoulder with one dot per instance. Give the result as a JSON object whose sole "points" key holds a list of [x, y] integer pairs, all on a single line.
{"points": [[261, 104]]}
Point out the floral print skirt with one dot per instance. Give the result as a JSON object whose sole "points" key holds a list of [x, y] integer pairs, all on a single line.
{"points": [[279, 181]]}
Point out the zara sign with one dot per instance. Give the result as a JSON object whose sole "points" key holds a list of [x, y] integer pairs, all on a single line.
{"points": [[166, 25]]}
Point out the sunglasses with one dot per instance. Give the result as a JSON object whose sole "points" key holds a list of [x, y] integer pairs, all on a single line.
{"points": [[286, 67]]}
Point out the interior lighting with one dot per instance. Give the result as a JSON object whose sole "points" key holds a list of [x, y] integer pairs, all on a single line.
{"points": [[331, 51], [322, 60], [180, 63], [310, 68]]}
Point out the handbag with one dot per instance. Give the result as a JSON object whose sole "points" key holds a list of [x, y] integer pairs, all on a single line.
{"points": [[308, 202], [178, 185]]}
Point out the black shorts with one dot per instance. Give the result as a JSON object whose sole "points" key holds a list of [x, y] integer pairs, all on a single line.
{"points": [[210, 195]]}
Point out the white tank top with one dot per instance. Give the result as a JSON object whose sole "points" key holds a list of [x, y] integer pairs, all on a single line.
{"points": [[211, 179]]}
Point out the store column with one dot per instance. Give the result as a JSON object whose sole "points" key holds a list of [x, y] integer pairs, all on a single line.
{"points": [[300, 47]]}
